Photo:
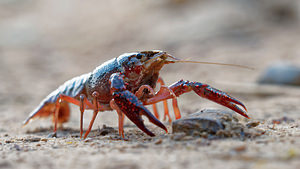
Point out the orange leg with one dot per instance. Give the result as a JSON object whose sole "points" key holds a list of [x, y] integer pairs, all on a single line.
{"points": [[163, 88], [57, 105], [81, 103], [82, 107], [176, 108], [63, 113], [84, 103], [95, 105], [121, 124], [155, 111], [174, 103], [165, 102], [77, 102], [121, 117]]}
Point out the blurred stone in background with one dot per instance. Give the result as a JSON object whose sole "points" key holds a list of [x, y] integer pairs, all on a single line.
{"points": [[281, 74]]}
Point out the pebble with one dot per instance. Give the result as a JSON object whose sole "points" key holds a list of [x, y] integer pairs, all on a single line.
{"points": [[105, 130], [17, 147], [281, 74], [44, 139], [213, 124], [241, 148], [34, 139], [252, 124], [207, 120], [159, 141], [9, 141]]}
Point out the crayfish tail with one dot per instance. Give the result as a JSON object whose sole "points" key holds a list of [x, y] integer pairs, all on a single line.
{"points": [[45, 110]]}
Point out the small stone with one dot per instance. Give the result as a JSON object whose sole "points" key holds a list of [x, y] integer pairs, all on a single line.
{"points": [[208, 120], [34, 139], [105, 130], [17, 147], [159, 141], [213, 124], [252, 124], [241, 148], [44, 139], [9, 141]]}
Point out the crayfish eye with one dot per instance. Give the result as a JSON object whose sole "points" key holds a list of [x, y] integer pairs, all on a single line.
{"points": [[139, 56]]}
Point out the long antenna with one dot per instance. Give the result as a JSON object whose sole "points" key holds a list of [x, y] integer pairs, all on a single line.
{"points": [[213, 63]]}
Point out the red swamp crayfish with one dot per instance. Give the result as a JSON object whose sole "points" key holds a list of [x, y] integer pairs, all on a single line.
{"points": [[126, 84]]}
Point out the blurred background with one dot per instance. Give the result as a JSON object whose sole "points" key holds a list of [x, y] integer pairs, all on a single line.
{"points": [[44, 43]]}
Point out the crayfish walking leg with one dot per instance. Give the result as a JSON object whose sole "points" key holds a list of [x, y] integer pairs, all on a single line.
{"points": [[83, 103], [165, 103]]}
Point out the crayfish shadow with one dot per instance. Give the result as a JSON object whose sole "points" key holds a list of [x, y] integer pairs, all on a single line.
{"points": [[71, 132], [107, 132], [47, 131]]}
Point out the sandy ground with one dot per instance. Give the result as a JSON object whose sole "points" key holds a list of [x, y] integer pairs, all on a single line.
{"points": [[43, 44]]}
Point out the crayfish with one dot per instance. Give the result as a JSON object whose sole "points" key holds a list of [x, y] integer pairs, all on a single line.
{"points": [[126, 84]]}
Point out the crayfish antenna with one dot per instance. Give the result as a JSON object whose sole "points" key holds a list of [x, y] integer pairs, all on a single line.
{"points": [[176, 60], [213, 63]]}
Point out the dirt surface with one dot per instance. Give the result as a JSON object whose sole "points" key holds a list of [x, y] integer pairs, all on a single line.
{"points": [[44, 43]]}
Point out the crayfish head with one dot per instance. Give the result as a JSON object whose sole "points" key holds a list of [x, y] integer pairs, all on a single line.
{"points": [[142, 68], [144, 62]]}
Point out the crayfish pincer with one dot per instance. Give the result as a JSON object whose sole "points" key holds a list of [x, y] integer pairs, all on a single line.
{"points": [[126, 84]]}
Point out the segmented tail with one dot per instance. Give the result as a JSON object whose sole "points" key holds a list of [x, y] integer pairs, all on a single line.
{"points": [[71, 88]]}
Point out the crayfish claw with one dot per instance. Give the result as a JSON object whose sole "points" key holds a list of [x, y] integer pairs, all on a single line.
{"points": [[237, 109], [220, 97], [134, 109], [130, 105]]}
